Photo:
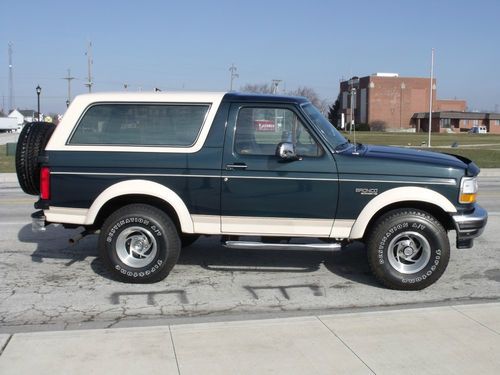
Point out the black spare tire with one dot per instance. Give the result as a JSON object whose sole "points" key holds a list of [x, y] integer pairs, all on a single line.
{"points": [[30, 145]]}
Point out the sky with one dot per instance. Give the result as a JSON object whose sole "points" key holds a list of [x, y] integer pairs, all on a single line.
{"points": [[190, 45]]}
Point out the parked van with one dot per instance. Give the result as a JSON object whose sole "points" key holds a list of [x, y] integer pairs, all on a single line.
{"points": [[479, 130]]}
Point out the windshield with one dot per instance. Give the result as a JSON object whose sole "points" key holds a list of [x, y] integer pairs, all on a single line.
{"points": [[331, 134]]}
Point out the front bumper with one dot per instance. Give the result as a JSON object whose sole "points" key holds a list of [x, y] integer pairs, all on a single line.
{"points": [[470, 226]]}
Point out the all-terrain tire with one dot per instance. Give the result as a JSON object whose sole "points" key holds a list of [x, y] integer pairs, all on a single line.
{"points": [[139, 244], [30, 145], [408, 249]]}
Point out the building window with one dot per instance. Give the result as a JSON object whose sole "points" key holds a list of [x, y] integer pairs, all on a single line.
{"points": [[466, 122], [344, 100], [497, 122], [446, 123]]}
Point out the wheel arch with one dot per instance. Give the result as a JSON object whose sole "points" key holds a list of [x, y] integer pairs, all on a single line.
{"points": [[405, 197], [139, 191]]}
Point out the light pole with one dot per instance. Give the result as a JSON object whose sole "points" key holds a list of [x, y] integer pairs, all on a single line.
{"points": [[430, 98], [403, 86], [353, 94], [38, 91]]}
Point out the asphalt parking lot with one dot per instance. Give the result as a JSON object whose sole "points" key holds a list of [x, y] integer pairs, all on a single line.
{"points": [[48, 284]]}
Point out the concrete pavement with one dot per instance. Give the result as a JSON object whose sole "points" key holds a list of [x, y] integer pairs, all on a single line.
{"points": [[459, 339]]}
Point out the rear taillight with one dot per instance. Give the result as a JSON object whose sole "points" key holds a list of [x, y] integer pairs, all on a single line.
{"points": [[45, 183]]}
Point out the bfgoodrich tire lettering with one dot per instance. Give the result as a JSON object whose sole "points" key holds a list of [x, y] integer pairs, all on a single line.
{"points": [[408, 249], [30, 145], [139, 244]]}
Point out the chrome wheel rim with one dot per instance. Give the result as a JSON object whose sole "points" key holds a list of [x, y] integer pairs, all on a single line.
{"points": [[409, 252], [136, 247]]}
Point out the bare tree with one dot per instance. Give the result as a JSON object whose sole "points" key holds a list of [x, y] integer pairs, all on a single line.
{"points": [[308, 92], [312, 95], [262, 88]]}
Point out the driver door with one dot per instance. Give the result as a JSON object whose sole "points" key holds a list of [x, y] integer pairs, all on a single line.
{"points": [[263, 195]]}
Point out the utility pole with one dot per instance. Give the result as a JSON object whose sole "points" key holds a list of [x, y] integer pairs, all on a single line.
{"points": [[234, 75], [90, 62], [275, 84], [69, 78], [430, 97], [11, 80]]}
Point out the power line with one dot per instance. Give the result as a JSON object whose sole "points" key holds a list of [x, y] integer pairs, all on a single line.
{"points": [[275, 84], [234, 75], [90, 62], [11, 80], [69, 78]]}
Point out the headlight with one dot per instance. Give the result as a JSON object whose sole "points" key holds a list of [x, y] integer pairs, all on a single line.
{"points": [[468, 190]]}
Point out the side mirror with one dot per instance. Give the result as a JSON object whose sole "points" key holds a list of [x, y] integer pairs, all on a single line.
{"points": [[286, 152]]}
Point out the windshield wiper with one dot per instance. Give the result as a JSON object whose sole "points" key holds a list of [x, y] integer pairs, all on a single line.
{"points": [[342, 145]]}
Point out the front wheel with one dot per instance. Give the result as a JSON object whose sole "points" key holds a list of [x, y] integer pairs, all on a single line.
{"points": [[139, 244], [408, 249]]}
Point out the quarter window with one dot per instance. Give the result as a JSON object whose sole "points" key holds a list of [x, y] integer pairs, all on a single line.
{"points": [[140, 125], [260, 130]]}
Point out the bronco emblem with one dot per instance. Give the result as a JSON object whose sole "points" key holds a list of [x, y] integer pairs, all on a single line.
{"points": [[365, 191]]}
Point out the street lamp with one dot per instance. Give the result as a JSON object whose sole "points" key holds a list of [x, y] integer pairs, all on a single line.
{"points": [[38, 91], [403, 86], [353, 95]]}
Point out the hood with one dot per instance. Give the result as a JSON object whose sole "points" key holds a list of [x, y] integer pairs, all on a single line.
{"points": [[410, 154], [404, 155]]}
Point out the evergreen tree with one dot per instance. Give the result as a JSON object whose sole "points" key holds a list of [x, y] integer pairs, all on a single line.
{"points": [[334, 113]]}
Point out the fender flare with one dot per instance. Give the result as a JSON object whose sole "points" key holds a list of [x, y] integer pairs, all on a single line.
{"points": [[400, 194], [142, 187]]}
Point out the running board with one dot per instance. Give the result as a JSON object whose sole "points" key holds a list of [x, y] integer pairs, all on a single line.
{"points": [[249, 245]]}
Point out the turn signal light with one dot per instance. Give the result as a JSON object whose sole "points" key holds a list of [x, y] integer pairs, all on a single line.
{"points": [[468, 198], [468, 190], [45, 183]]}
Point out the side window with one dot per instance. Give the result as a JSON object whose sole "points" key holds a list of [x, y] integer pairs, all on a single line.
{"points": [[260, 130], [140, 125]]}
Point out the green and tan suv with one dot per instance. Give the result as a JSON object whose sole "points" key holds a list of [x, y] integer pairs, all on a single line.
{"points": [[151, 172]]}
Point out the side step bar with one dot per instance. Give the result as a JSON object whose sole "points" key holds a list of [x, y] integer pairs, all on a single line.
{"points": [[249, 245]]}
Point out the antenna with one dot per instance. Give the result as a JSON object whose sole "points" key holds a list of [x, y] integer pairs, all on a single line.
{"points": [[90, 62], [234, 75], [69, 78], [11, 80]]}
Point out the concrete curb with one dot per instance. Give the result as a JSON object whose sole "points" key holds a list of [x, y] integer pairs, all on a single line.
{"points": [[490, 172], [8, 177], [324, 344]]}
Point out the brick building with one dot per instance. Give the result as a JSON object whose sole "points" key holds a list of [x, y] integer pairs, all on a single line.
{"points": [[388, 101]]}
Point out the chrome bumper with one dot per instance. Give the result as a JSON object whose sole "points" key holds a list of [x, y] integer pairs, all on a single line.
{"points": [[470, 226]]}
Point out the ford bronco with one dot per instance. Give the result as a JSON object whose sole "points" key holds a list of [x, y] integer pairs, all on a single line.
{"points": [[151, 172]]}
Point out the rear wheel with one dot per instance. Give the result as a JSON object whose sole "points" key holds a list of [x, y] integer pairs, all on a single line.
{"points": [[139, 244], [408, 249], [30, 145]]}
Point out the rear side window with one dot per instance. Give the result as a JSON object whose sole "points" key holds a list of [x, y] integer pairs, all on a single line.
{"points": [[140, 125]]}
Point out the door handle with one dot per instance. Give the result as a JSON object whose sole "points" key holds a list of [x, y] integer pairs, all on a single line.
{"points": [[232, 167]]}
